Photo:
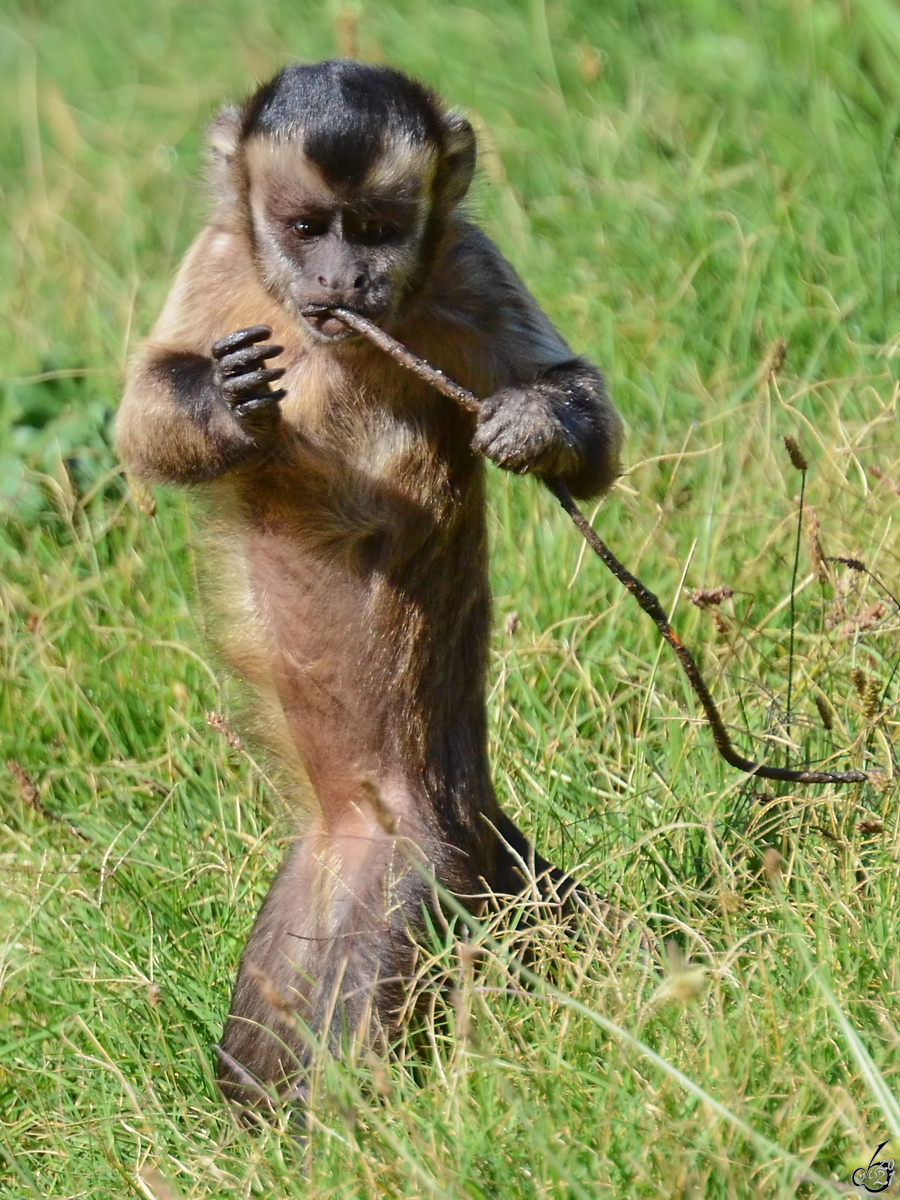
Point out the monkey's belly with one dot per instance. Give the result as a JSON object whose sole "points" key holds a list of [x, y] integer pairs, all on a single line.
{"points": [[333, 663]]}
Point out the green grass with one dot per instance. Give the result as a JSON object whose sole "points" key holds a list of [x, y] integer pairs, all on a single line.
{"points": [[681, 185]]}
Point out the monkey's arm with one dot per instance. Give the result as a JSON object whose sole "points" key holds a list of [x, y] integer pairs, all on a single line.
{"points": [[197, 404], [548, 411]]}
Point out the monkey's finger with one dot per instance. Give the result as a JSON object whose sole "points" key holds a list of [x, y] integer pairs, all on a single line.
{"points": [[248, 358], [511, 462], [256, 403], [513, 453], [497, 444], [243, 337], [253, 381]]}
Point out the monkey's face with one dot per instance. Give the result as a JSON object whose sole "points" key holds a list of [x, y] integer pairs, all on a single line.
{"points": [[324, 241]]}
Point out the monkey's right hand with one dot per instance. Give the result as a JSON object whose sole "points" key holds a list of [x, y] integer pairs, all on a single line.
{"points": [[238, 367]]}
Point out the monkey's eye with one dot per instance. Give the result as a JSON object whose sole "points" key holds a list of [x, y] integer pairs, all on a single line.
{"points": [[374, 231], [309, 227]]}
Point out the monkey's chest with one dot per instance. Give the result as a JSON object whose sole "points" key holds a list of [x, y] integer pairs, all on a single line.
{"points": [[366, 473]]}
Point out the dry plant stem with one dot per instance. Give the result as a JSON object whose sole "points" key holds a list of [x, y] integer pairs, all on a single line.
{"points": [[645, 598], [794, 574], [652, 607], [399, 353]]}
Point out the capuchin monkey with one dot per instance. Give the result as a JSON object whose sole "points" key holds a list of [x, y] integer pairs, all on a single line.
{"points": [[345, 519]]}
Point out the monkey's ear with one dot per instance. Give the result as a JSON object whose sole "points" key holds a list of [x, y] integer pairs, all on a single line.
{"points": [[458, 161], [224, 133], [223, 137]]}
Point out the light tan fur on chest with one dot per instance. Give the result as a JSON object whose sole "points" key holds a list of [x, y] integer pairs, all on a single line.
{"points": [[372, 448]]}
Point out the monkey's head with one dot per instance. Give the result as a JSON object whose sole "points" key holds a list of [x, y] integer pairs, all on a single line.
{"points": [[342, 175]]}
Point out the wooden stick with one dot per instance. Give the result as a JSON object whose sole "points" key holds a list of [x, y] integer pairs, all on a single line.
{"points": [[645, 598]]}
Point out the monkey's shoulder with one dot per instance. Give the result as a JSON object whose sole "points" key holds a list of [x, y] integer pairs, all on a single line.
{"points": [[216, 291], [494, 331]]}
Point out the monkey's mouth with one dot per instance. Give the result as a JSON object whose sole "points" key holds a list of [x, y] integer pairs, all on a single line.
{"points": [[329, 327]]}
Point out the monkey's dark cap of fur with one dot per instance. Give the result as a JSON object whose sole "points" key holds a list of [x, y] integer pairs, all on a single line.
{"points": [[343, 108]]}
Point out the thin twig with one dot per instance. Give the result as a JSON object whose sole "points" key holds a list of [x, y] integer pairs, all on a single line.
{"points": [[794, 574], [652, 607], [399, 353], [645, 598], [32, 797]]}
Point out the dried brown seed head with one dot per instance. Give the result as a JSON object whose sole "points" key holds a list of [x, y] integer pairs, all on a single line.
{"points": [[824, 711], [775, 356], [872, 699], [814, 546], [797, 459], [707, 597], [870, 826], [877, 473], [214, 721], [855, 564], [29, 793]]}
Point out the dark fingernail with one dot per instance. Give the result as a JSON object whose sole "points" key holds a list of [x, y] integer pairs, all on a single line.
{"points": [[258, 402], [239, 339]]}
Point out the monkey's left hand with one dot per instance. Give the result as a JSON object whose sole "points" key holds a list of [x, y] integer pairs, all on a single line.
{"points": [[240, 372], [559, 427]]}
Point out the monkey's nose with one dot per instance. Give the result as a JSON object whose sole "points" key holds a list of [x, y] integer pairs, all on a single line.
{"points": [[338, 286]]}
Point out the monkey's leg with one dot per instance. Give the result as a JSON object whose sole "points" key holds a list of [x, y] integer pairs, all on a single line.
{"points": [[326, 960]]}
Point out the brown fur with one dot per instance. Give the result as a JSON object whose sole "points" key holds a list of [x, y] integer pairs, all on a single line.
{"points": [[348, 553]]}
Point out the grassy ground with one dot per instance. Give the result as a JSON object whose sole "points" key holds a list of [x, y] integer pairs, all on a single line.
{"points": [[682, 186]]}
